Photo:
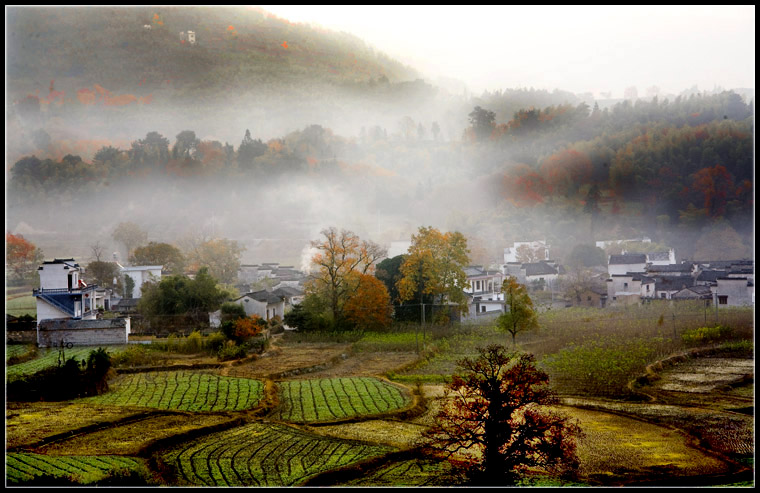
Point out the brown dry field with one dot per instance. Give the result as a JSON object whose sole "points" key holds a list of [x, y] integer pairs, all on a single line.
{"points": [[623, 441]]}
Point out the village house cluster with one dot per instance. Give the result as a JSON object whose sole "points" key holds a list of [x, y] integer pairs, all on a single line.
{"points": [[71, 311]]}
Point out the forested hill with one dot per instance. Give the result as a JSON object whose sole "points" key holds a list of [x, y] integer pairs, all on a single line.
{"points": [[570, 173], [138, 51]]}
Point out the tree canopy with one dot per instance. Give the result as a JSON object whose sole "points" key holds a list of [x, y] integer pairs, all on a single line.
{"points": [[498, 408], [22, 257], [435, 266], [342, 263], [519, 315], [165, 254]]}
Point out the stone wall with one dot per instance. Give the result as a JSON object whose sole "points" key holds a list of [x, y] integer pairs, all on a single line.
{"points": [[83, 332]]}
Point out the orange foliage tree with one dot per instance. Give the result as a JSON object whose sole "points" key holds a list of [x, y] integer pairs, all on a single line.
{"points": [[566, 170], [341, 259], [248, 327], [715, 184], [22, 257], [369, 307]]}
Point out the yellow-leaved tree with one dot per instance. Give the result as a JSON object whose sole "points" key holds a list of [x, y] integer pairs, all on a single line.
{"points": [[435, 266], [343, 262]]}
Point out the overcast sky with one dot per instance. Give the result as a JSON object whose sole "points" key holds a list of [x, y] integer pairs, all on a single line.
{"points": [[574, 48]]}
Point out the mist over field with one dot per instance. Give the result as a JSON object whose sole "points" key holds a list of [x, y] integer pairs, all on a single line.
{"points": [[347, 136]]}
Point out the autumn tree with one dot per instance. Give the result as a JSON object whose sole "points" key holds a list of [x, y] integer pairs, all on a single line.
{"points": [[220, 255], [341, 259], [716, 185], [435, 266], [369, 307], [576, 281], [519, 315], [130, 235], [498, 409], [169, 256], [527, 254], [22, 257], [247, 327]]}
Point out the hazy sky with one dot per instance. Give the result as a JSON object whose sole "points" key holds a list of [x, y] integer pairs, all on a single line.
{"points": [[574, 48]]}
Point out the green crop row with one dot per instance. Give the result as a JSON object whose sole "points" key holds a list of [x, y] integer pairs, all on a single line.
{"points": [[181, 390], [50, 356], [25, 467], [414, 472], [263, 455], [603, 366], [330, 399]]}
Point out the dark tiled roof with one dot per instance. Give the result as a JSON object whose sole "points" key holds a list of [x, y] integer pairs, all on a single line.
{"points": [[670, 268], [710, 275], [264, 296], [673, 283], [68, 323], [287, 291], [126, 303], [628, 258], [538, 269]]}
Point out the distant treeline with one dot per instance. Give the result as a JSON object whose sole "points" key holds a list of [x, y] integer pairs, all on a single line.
{"points": [[690, 159]]}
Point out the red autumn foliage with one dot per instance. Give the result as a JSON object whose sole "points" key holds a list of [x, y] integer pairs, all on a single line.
{"points": [[499, 407], [249, 327], [715, 184]]}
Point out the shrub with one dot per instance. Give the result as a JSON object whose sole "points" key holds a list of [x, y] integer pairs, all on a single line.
{"points": [[66, 381], [191, 344], [705, 335], [232, 311], [215, 341], [136, 355], [231, 350]]}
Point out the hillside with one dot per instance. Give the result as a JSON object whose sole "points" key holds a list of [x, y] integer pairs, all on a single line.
{"points": [[138, 50]]}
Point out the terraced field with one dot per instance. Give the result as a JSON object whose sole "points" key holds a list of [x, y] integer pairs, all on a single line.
{"points": [[331, 399], [49, 357], [22, 467], [12, 350], [262, 454], [183, 391]]}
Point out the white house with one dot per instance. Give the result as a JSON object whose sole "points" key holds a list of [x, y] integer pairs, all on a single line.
{"points": [[483, 290], [67, 308], [141, 274], [628, 262], [540, 272], [262, 303], [734, 291], [292, 296], [540, 247], [62, 293]]}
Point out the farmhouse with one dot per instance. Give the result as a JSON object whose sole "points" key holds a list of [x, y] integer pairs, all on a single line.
{"points": [[734, 291], [141, 274], [62, 293], [263, 303], [483, 290], [628, 262]]}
